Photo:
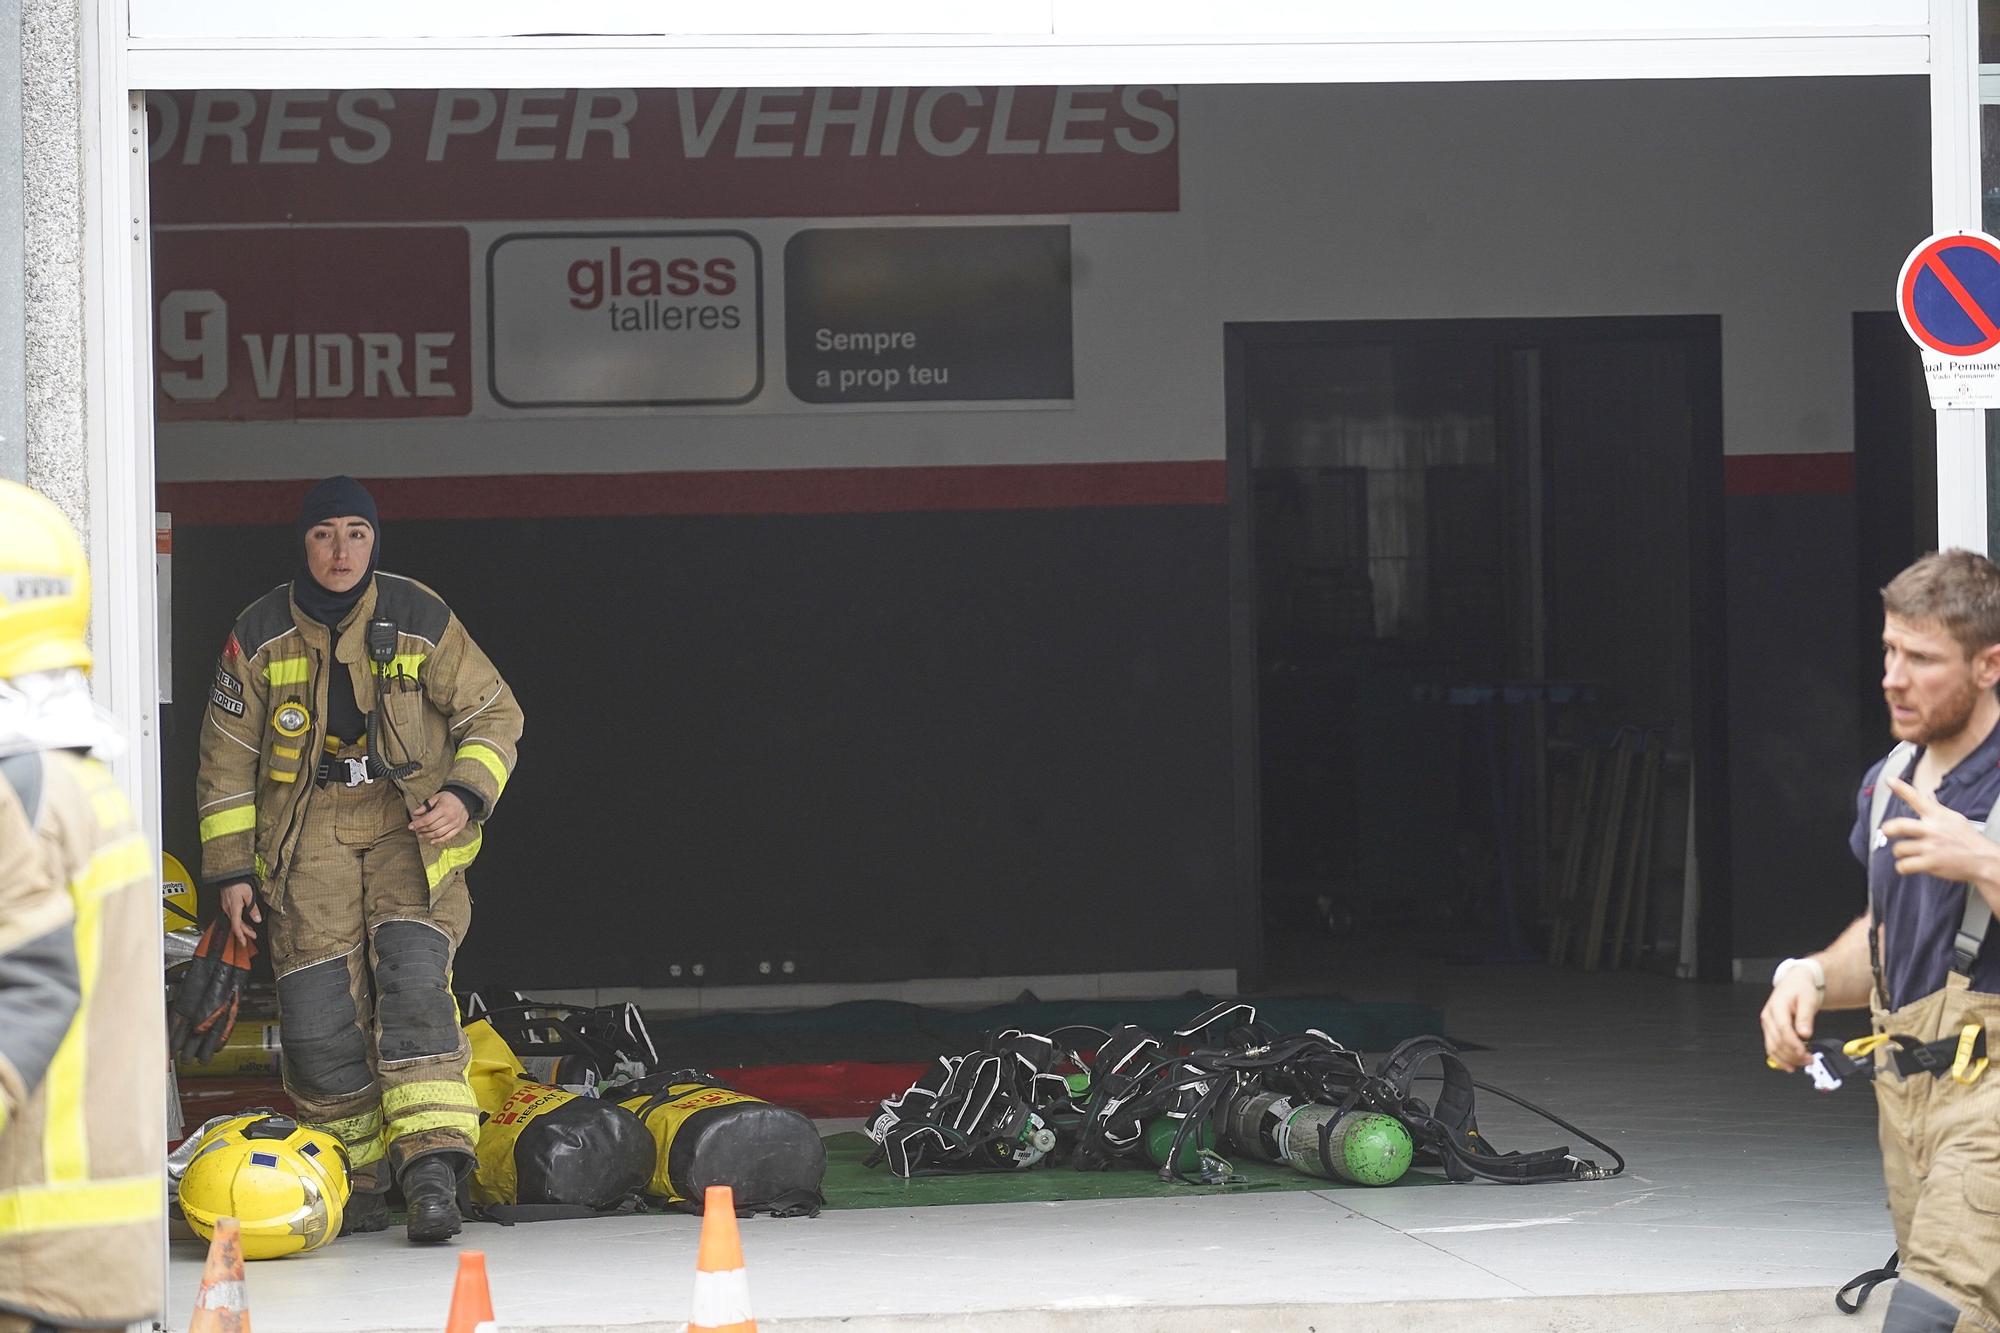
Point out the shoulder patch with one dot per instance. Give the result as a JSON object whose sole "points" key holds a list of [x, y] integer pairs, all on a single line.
{"points": [[415, 609], [264, 620]]}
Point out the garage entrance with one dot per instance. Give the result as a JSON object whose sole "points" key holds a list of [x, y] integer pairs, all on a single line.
{"points": [[1470, 542]]}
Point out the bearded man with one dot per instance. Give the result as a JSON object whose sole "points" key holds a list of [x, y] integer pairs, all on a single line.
{"points": [[1922, 957]]}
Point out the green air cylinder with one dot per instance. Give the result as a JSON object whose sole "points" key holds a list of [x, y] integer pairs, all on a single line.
{"points": [[1160, 1141], [1254, 1124], [1363, 1148]]}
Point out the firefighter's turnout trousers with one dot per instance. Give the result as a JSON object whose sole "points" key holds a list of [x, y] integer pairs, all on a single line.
{"points": [[1941, 1157], [362, 948]]}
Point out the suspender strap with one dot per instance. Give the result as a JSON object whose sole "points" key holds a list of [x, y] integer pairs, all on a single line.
{"points": [[1972, 926], [1894, 766]]}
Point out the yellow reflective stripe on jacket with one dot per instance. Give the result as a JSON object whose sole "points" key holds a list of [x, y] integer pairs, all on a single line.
{"points": [[287, 671], [87, 1203], [65, 1149], [222, 823], [110, 806], [448, 860], [403, 664], [487, 758]]}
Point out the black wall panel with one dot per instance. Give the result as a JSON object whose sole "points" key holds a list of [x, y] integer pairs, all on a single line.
{"points": [[879, 746], [1797, 746]]}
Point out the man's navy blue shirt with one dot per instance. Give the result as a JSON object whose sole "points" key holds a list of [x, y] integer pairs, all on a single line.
{"points": [[1920, 913]]}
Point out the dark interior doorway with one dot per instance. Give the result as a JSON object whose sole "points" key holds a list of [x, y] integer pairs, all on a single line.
{"points": [[1895, 488], [1458, 542]]}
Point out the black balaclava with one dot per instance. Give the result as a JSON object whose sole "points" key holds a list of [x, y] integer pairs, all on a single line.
{"points": [[336, 497]]}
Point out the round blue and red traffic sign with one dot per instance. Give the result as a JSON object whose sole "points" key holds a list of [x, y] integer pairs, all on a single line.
{"points": [[1949, 293]]}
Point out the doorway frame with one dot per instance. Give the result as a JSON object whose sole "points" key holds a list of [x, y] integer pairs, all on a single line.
{"points": [[1709, 871]]}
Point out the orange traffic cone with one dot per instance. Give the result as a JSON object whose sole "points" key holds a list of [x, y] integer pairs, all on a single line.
{"points": [[222, 1305], [471, 1299], [721, 1287]]}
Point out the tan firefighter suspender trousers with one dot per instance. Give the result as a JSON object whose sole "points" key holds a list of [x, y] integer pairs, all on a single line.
{"points": [[364, 918], [1940, 1137]]}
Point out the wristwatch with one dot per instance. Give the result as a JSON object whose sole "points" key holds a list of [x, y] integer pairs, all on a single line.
{"points": [[1810, 964]]}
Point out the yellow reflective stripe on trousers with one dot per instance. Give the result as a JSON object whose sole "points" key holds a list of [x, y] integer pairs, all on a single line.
{"points": [[412, 1108], [488, 758], [448, 860], [65, 1149], [465, 1122], [286, 671], [360, 1134], [222, 823], [427, 1092], [87, 1203]]}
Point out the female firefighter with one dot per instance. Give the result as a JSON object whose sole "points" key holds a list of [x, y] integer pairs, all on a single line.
{"points": [[356, 740]]}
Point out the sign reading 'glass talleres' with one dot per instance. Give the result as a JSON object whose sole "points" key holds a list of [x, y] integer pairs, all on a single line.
{"points": [[923, 314], [624, 319]]}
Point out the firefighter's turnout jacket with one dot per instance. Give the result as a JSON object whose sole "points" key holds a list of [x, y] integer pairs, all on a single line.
{"points": [[82, 1120], [444, 708], [365, 917]]}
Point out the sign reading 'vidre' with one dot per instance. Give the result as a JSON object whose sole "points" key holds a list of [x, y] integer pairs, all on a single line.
{"points": [[472, 154], [275, 323]]}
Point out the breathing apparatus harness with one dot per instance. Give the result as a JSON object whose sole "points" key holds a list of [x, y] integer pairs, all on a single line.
{"points": [[1009, 1106], [1004, 1107], [1312, 1066]]}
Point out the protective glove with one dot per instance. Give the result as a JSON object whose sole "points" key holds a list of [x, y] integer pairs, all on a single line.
{"points": [[203, 1012]]}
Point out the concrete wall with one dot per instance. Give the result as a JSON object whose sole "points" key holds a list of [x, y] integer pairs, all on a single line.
{"points": [[52, 130]]}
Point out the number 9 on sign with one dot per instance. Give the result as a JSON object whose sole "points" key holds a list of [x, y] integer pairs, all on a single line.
{"points": [[194, 333]]}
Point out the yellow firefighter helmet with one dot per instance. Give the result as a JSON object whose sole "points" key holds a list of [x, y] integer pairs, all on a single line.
{"points": [[176, 895], [286, 1184], [44, 586]]}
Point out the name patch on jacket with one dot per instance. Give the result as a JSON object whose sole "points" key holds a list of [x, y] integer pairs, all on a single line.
{"points": [[225, 703], [228, 683]]}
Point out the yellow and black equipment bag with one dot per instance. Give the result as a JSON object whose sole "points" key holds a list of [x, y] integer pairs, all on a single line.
{"points": [[545, 1153], [770, 1156]]}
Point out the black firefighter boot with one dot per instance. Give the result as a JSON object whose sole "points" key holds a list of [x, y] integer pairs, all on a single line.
{"points": [[365, 1212], [430, 1189]]}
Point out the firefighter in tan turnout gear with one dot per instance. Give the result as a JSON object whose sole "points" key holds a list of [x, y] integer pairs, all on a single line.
{"points": [[1922, 957], [355, 740], [82, 1095]]}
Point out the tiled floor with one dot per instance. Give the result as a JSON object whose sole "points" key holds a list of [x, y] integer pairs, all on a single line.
{"points": [[1740, 1179]]}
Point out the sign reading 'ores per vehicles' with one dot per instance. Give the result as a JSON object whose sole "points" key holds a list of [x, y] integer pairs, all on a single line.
{"points": [[624, 319], [1948, 294]]}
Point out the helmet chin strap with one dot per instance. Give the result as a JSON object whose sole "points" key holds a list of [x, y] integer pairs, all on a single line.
{"points": [[54, 710]]}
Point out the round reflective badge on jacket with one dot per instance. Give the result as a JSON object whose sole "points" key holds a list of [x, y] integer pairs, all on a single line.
{"points": [[291, 720]]}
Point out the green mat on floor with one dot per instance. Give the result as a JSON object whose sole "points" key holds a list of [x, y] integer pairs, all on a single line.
{"points": [[852, 1185]]}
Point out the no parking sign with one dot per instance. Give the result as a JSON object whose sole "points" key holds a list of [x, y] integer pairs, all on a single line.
{"points": [[1948, 294]]}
